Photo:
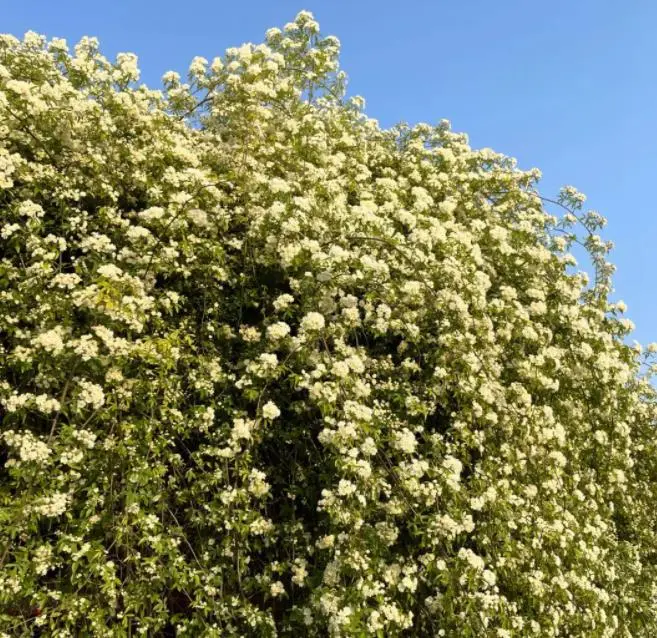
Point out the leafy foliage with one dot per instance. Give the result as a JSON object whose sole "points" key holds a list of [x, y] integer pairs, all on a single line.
{"points": [[268, 369]]}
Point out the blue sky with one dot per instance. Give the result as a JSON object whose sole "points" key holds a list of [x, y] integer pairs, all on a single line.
{"points": [[567, 86]]}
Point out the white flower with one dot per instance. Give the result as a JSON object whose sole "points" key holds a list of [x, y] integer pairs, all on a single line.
{"points": [[299, 574], [258, 485], [277, 588], [270, 410], [453, 466], [313, 321], [405, 441], [85, 437], [136, 233], [52, 506], [471, 558], [278, 330], [412, 288], [127, 65], [98, 243], [356, 364], [198, 66], [268, 361], [30, 449], [278, 185], [477, 503], [9, 229], [110, 271], [29, 209], [272, 33], [171, 77], [86, 347], [71, 457], [340, 369], [242, 429], [250, 333], [489, 577], [217, 65], [199, 217], [325, 542], [51, 340], [357, 411], [45, 404], [42, 559], [58, 44], [261, 526], [346, 488], [90, 394], [368, 448], [65, 280]]}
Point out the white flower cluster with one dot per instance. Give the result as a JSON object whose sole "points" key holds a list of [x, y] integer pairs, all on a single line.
{"points": [[270, 410], [90, 394], [312, 322], [28, 447], [52, 506], [278, 330], [51, 340], [283, 301]]}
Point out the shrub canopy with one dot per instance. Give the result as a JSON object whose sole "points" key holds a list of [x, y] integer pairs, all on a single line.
{"points": [[269, 369]]}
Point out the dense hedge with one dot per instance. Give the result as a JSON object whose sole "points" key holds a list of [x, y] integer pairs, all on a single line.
{"points": [[268, 369]]}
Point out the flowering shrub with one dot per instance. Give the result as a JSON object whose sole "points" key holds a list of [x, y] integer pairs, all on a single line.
{"points": [[268, 369]]}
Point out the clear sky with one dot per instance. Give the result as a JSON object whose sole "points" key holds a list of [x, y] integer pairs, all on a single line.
{"points": [[567, 86]]}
